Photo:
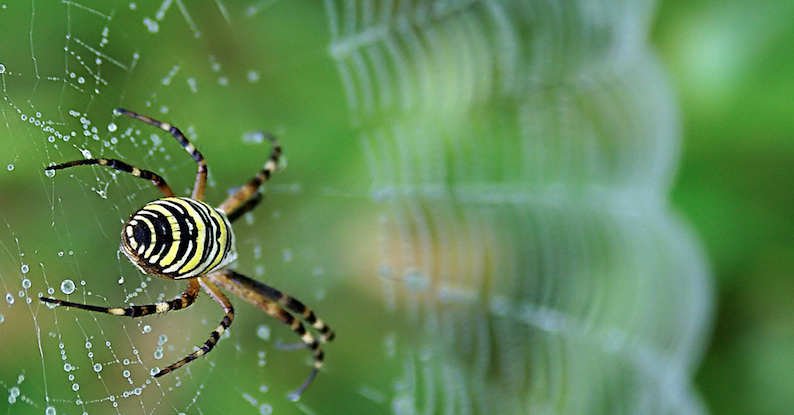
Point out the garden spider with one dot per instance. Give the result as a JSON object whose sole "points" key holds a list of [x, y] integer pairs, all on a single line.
{"points": [[182, 238]]}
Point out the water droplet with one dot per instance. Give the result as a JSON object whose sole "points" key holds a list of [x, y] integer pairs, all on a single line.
{"points": [[156, 141], [191, 82], [88, 345], [263, 332], [81, 80], [26, 283], [50, 411], [97, 367], [2, 318], [253, 76], [147, 329], [76, 387], [10, 167], [9, 298], [67, 286], [49, 173], [150, 24], [24, 268], [158, 353], [86, 153], [3, 67], [112, 127], [67, 367], [162, 340], [125, 373]]}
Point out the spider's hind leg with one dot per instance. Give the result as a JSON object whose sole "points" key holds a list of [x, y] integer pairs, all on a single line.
{"points": [[279, 306]]}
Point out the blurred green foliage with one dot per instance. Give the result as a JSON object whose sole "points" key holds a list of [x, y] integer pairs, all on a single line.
{"points": [[733, 65]]}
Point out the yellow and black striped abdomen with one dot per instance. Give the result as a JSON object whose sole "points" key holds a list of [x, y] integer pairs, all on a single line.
{"points": [[178, 237]]}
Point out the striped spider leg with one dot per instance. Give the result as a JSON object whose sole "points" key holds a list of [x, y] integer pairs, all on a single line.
{"points": [[183, 238], [279, 305]]}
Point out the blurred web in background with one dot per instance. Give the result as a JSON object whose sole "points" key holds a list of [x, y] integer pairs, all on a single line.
{"points": [[524, 162], [511, 173]]}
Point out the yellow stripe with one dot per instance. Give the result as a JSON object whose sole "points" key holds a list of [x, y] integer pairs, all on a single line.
{"points": [[176, 234], [130, 235]]}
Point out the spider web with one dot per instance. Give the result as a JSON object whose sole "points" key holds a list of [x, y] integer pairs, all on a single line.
{"points": [[475, 200]]}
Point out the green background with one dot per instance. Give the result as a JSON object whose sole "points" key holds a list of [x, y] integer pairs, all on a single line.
{"points": [[731, 63]]}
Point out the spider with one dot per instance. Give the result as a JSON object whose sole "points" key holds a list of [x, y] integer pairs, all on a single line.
{"points": [[183, 238]]}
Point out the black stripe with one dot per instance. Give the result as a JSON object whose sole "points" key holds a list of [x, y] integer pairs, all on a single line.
{"points": [[184, 220], [210, 241]]}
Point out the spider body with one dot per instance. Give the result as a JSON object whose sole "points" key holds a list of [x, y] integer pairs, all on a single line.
{"points": [[183, 238], [178, 237]]}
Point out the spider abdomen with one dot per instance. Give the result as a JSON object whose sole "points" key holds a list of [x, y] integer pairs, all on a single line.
{"points": [[178, 237]]}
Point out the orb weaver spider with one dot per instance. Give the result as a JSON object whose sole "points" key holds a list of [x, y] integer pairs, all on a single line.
{"points": [[183, 238]]}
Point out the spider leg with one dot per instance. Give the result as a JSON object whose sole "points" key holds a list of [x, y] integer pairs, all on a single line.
{"points": [[120, 166], [246, 207], [218, 296], [201, 176], [273, 303], [253, 291], [186, 299], [233, 202]]}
